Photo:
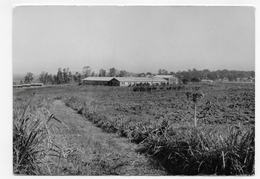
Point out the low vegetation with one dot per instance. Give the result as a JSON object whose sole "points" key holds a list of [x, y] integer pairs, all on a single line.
{"points": [[32, 140], [221, 142]]}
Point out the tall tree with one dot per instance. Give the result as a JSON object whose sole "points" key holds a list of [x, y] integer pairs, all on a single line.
{"points": [[55, 80], [162, 72], [86, 72], [122, 73], [172, 73], [28, 78], [79, 78], [46, 78], [50, 79], [75, 77], [112, 72], [102, 72], [70, 78], [42, 77], [59, 76], [65, 75]]}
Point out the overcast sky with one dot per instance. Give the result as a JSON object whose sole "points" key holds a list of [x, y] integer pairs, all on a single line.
{"points": [[132, 38]]}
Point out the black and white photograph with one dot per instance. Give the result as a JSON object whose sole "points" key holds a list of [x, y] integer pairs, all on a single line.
{"points": [[133, 90]]}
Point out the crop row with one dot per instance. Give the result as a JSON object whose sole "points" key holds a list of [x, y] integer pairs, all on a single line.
{"points": [[166, 135], [215, 108]]}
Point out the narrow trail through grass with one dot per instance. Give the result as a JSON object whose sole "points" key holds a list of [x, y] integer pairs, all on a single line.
{"points": [[95, 152]]}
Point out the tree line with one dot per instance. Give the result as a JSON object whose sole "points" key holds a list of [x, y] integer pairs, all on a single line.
{"points": [[65, 76], [198, 75]]}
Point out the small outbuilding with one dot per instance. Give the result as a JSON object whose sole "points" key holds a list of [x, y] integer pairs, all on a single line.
{"points": [[171, 79], [206, 81], [26, 85], [17, 86], [36, 84]]}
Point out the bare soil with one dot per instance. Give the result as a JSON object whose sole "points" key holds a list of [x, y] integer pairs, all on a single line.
{"points": [[91, 151]]}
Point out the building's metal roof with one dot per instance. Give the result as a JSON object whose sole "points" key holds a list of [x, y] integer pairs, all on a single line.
{"points": [[98, 78], [17, 85], [138, 79], [204, 80], [164, 76], [125, 79], [37, 84]]}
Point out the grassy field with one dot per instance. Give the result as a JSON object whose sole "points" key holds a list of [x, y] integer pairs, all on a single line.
{"points": [[159, 123]]}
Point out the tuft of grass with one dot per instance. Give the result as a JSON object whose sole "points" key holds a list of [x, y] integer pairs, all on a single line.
{"points": [[32, 142], [194, 151]]}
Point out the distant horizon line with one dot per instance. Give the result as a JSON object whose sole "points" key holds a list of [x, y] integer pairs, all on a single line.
{"points": [[74, 71]]}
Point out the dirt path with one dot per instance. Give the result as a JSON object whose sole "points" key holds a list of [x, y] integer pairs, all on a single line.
{"points": [[96, 152]]}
